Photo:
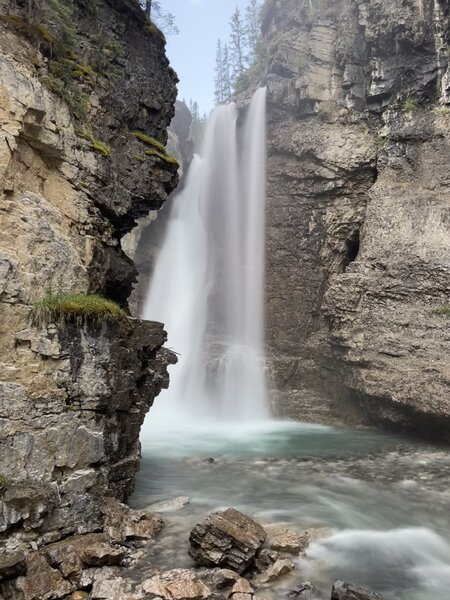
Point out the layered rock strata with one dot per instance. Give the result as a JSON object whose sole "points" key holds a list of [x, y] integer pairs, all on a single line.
{"points": [[358, 234], [84, 103]]}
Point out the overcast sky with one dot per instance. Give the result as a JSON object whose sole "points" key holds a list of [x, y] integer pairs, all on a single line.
{"points": [[192, 53]]}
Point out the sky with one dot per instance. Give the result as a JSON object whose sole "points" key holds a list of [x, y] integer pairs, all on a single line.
{"points": [[192, 52]]}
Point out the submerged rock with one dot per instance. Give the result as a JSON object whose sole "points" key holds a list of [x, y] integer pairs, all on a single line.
{"points": [[170, 505], [226, 539], [348, 591], [305, 591]]}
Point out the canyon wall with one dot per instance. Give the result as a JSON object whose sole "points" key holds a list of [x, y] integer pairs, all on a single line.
{"points": [[86, 92], [358, 224]]}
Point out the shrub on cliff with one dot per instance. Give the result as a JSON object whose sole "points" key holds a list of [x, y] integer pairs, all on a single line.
{"points": [[76, 307]]}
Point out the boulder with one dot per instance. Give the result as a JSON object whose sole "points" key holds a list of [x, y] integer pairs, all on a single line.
{"points": [[348, 591], [177, 584], [124, 523], [242, 587], [265, 558], [218, 578], [227, 539], [305, 591], [280, 567], [92, 550], [42, 582], [290, 542], [12, 565]]}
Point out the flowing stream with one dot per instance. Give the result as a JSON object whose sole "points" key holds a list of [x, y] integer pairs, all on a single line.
{"points": [[378, 505]]}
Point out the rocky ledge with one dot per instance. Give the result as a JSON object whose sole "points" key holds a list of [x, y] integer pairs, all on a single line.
{"points": [[86, 95]]}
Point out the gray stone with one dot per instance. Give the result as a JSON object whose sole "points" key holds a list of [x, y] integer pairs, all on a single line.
{"points": [[226, 539], [348, 591]]}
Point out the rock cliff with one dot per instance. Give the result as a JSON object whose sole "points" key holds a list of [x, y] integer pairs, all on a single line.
{"points": [[86, 95], [358, 232]]}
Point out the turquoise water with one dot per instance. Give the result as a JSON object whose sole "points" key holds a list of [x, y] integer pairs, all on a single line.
{"points": [[380, 503]]}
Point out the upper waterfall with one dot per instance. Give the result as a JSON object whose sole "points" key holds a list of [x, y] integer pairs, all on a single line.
{"points": [[208, 282]]}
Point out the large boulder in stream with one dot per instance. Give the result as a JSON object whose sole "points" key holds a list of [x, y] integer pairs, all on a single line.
{"points": [[226, 539], [348, 591]]}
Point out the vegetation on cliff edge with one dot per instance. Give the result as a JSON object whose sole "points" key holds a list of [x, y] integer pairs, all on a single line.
{"points": [[75, 307]]}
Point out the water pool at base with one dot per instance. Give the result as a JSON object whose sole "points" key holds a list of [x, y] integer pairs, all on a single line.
{"points": [[380, 503]]}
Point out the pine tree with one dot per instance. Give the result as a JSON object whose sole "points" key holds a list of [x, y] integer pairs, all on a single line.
{"points": [[227, 88], [219, 78], [252, 27], [165, 20], [237, 46]]}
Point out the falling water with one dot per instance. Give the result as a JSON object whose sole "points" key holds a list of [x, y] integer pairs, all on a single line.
{"points": [[207, 286]]}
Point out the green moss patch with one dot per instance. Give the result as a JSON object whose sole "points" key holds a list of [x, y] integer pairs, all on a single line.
{"points": [[166, 157], [442, 311], [149, 141], [410, 105], [76, 307], [96, 145], [156, 148]]}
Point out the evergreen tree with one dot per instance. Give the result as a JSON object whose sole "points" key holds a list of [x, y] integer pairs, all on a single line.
{"points": [[197, 125], [252, 27], [165, 20], [237, 46], [219, 78], [227, 88]]}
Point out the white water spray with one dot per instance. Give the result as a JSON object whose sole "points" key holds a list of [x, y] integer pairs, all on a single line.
{"points": [[208, 283]]}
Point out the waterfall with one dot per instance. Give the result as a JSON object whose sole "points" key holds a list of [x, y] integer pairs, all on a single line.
{"points": [[208, 282]]}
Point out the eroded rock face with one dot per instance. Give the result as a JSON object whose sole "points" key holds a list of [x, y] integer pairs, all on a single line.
{"points": [[226, 539], [73, 396], [358, 220]]}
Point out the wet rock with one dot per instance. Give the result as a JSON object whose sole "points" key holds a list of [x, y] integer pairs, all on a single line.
{"points": [[209, 460], [42, 582], [348, 591], [108, 589], [170, 505], [290, 542], [92, 550], [305, 591], [123, 523], [178, 584], [226, 539], [281, 567], [266, 558], [242, 586], [218, 578], [12, 565]]}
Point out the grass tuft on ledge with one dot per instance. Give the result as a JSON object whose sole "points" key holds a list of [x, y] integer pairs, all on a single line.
{"points": [[96, 145], [76, 307], [166, 157], [442, 311], [149, 141], [156, 149]]}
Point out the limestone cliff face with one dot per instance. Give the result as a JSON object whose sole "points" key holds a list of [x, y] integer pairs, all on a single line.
{"points": [[358, 244], [72, 183]]}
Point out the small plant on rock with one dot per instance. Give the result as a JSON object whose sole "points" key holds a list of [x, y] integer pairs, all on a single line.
{"points": [[410, 105], [442, 311], [76, 307]]}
